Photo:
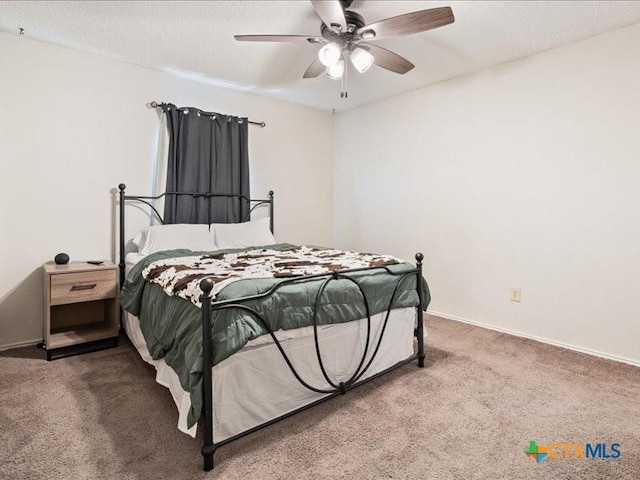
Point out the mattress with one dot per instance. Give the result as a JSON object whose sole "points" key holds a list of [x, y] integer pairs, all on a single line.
{"points": [[255, 384]]}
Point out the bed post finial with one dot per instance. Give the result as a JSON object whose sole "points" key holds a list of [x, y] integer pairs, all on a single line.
{"points": [[420, 320], [122, 186], [206, 286], [208, 447]]}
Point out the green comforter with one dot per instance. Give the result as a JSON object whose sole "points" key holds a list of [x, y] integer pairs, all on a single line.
{"points": [[172, 326]]}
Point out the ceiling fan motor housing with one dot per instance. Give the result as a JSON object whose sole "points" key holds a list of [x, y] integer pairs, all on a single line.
{"points": [[354, 22]]}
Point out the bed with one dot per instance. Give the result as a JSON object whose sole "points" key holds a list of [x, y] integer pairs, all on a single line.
{"points": [[288, 326]]}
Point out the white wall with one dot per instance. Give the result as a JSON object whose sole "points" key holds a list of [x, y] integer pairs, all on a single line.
{"points": [[74, 125], [525, 175]]}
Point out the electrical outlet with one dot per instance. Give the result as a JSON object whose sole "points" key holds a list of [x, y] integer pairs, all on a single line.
{"points": [[515, 294]]}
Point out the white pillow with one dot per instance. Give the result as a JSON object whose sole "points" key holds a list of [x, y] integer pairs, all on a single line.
{"points": [[139, 239], [241, 235], [196, 237]]}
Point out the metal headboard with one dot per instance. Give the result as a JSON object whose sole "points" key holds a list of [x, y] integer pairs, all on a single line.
{"points": [[148, 199]]}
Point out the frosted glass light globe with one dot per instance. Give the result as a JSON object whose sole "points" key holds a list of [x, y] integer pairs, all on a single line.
{"points": [[330, 54], [361, 59], [334, 72]]}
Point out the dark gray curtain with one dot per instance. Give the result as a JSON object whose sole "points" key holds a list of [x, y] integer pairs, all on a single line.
{"points": [[208, 152]]}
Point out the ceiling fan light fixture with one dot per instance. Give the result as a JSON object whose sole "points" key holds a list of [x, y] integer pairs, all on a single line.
{"points": [[330, 54], [361, 59], [335, 71]]}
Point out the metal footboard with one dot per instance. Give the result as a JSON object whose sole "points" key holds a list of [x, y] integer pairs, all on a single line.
{"points": [[209, 447]]}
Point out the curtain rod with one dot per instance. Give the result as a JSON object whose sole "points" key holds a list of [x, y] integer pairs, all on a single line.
{"points": [[155, 104]]}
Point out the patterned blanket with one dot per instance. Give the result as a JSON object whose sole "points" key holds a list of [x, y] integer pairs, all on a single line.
{"points": [[181, 276]]}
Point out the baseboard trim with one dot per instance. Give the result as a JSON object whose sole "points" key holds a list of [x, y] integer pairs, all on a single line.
{"points": [[568, 346], [27, 343]]}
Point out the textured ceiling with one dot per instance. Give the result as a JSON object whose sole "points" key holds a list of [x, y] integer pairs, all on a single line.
{"points": [[195, 39]]}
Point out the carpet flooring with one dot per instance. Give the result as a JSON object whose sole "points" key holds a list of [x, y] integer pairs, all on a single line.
{"points": [[470, 414]]}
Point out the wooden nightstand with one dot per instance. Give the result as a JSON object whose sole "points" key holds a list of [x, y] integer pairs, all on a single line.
{"points": [[80, 308]]}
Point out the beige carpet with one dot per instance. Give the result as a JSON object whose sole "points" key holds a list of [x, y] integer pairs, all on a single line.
{"points": [[469, 415]]}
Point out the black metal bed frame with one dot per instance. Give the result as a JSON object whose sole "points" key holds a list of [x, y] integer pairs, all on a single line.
{"points": [[209, 447]]}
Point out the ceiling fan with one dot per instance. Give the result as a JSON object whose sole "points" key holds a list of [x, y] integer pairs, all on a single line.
{"points": [[344, 34]]}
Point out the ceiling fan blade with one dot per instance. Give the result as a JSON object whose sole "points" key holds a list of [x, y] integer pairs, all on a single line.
{"points": [[331, 13], [387, 59], [409, 23], [315, 69], [279, 38]]}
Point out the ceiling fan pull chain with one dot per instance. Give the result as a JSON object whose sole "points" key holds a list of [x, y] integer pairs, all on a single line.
{"points": [[344, 79]]}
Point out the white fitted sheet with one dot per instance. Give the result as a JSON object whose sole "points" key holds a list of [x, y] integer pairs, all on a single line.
{"points": [[255, 385]]}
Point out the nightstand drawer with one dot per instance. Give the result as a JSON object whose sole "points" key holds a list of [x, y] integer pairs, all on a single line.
{"points": [[82, 286]]}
